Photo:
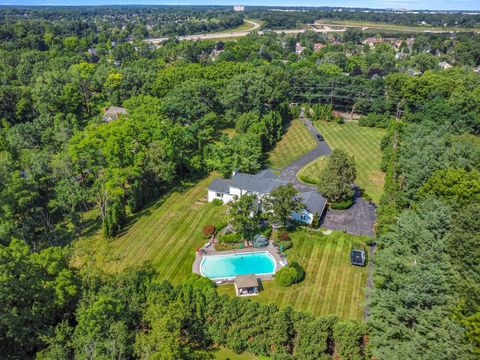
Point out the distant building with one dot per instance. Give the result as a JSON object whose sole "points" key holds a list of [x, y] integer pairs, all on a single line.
{"points": [[318, 47], [299, 48], [113, 113], [444, 65], [372, 41], [239, 7]]}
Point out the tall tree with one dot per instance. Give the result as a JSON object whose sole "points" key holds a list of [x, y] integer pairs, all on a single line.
{"points": [[281, 202], [336, 179], [243, 214]]}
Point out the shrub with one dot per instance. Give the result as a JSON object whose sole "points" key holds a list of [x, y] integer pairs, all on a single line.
{"points": [[286, 276], [283, 236], [267, 232], [342, 205], [219, 226], [315, 221], [260, 241], [339, 119], [230, 238], [299, 270], [217, 202], [208, 230], [376, 120], [284, 244]]}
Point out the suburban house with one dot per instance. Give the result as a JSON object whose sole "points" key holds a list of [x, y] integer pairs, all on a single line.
{"points": [[262, 184], [299, 48]]}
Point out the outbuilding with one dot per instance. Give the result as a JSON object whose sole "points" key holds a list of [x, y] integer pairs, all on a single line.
{"points": [[246, 285]]}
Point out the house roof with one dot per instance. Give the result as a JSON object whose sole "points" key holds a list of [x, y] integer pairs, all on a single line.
{"points": [[246, 281], [115, 110], [313, 201], [220, 185], [255, 183], [268, 174]]}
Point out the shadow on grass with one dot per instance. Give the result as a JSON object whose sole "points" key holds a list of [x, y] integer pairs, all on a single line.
{"points": [[156, 203]]}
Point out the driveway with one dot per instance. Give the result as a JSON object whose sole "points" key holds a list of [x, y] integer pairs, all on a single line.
{"points": [[358, 219]]}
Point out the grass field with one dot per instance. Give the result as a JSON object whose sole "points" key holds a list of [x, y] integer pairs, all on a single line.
{"points": [[166, 234], [309, 173], [364, 144], [294, 143], [332, 285]]}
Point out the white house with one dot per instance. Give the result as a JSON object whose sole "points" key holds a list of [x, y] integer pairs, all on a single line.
{"points": [[263, 184]]}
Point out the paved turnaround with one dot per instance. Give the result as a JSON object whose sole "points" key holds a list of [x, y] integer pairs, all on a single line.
{"points": [[359, 219]]}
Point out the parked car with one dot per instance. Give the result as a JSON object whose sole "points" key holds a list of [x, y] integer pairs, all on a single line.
{"points": [[319, 137]]}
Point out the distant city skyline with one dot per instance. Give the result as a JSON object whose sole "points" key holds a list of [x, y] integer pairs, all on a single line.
{"points": [[470, 5]]}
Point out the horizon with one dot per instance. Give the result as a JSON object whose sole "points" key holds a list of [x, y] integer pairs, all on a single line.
{"points": [[408, 5]]}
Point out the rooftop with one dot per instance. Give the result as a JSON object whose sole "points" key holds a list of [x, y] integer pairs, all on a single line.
{"points": [[246, 281], [313, 201], [262, 183]]}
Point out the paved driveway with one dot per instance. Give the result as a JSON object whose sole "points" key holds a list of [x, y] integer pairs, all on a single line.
{"points": [[357, 220]]}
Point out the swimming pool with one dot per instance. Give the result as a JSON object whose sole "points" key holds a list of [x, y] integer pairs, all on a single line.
{"points": [[229, 266]]}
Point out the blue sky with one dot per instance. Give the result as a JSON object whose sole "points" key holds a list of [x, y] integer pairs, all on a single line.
{"points": [[407, 4]]}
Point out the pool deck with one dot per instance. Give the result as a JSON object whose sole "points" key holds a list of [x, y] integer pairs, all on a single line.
{"points": [[272, 250]]}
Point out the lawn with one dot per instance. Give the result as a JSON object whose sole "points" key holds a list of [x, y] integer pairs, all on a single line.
{"points": [[309, 173], [295, 142], [363, 143], [332, 285], [166, 234]]}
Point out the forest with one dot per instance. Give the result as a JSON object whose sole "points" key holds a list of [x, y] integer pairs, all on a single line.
{"points": [[65, 170]]}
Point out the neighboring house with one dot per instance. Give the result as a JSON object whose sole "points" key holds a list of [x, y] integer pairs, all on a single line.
{"points": [[299, 48], [444, 65], [238, 7], [263, 184], [113, 113], [372, 41], [318, 47]]}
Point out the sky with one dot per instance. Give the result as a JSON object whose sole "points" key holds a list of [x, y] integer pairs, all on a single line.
{"points": [[379, 4]]}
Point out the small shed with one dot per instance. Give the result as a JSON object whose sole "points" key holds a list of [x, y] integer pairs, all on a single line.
{"points": [[246, 285], [357, 257]]}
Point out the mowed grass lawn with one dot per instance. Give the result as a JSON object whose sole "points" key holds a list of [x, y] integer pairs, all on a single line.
{"points": [[332, 286], [363, 143], [309, 173], [166, 234], [296, 141]]}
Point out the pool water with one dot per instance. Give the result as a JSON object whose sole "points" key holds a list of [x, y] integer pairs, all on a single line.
{"points": [[229, 266]]}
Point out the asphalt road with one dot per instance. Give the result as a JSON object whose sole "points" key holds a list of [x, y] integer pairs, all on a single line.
{"points": [[318, 27], [256, 26]]}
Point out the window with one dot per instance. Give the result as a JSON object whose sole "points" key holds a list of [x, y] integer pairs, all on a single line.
{"points": [[219, 195]]}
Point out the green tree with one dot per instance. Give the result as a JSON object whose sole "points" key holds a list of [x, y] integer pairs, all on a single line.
{"points": [[336, 179], [243, 213], [281, 202], [37, 290], [457, 186]]}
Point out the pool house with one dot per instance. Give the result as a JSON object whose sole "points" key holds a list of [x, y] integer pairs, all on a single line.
{"points": [[246, 285]]}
